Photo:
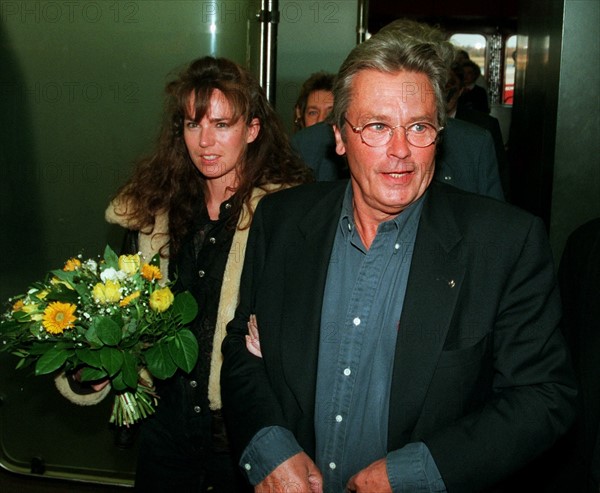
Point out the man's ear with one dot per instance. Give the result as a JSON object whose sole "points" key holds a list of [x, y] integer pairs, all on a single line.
{"points": [[340, 147], [253, 130], [298, 115]]}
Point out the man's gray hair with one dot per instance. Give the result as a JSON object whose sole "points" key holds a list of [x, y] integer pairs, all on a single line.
{"points": [[402, 45]]}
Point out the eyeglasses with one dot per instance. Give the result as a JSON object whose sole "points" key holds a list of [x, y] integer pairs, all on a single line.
{"points": [[420, 134]]}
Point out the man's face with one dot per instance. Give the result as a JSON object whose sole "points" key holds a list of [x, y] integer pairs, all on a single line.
{"points": [[469, 75], [318, 105], [453, 91], [388, 178]]}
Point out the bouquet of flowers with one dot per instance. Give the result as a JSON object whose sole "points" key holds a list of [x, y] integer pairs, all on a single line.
{"points": [[105, 319]]}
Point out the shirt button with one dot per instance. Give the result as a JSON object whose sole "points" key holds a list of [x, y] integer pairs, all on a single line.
{"points": [[347, 372], [212, 240], [201, 273], [247, 466], [193, 384], [447, 178], [197, 409], [332, 465], [339, 418], [356, 321], [397, 246]]}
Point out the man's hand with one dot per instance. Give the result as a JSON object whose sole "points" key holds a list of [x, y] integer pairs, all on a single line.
{"points": [[372, 479], [298, 474]]}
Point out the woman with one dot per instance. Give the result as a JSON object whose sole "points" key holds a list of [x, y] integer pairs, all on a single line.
{"points": [[221, 149]]}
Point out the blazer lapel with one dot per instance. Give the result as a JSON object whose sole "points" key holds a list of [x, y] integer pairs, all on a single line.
{"points": [[306, 266], [434, 283]]}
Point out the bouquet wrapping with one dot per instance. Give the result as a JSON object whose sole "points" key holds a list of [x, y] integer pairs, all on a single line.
{"points": [[110, 319]]}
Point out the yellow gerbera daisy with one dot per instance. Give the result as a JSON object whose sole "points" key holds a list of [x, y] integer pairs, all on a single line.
{"points": [[72, 264], [151, 272], [128, 299], [58, 317]]}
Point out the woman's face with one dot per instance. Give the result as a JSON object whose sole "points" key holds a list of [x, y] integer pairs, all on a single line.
{"points": [[217, 144]]}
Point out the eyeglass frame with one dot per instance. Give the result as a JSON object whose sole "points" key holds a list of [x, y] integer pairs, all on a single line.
{"points": [[359, 130]]}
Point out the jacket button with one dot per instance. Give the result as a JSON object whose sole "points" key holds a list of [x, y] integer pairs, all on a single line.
{"points": [[197, 409], [193, 384], [201, 273]]}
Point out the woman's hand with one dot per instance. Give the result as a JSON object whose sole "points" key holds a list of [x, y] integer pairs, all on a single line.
{"points": [[252, 339], [95, 386]]}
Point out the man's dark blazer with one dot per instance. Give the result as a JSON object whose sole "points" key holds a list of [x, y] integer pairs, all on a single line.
{"points": [[474, 98], [481, 372], [466, 157], [492, 125], [316, 147]]}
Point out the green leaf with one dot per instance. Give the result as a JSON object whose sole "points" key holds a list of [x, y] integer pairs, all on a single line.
{"points": [[64, 295], [108, 331], [91, 374], [70, 277], [40, 348], [92, 336], [111, 259], [129, 371], [159, 361], [117, 383], [112, 360], [130, 328], [184, 350], [63, 275], [90, 357], [8, 326], [52, 360], [185, 307], [22, 317]]}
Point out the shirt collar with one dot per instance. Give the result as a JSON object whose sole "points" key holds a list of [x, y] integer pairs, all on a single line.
{"points": [[408, 215], [201, 214]]}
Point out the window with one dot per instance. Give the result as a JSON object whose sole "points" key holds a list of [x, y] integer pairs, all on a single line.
{"points": [[495, 55], [508, 87], [475, 45]]}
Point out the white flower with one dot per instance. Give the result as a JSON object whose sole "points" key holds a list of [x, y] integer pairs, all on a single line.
{"points": [[91, 265], [111, 274]]}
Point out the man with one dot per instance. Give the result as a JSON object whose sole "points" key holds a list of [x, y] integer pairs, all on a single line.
{"points": [[455, 88], [315, 100], [578, 465], [473, 96], [409, 334]]}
